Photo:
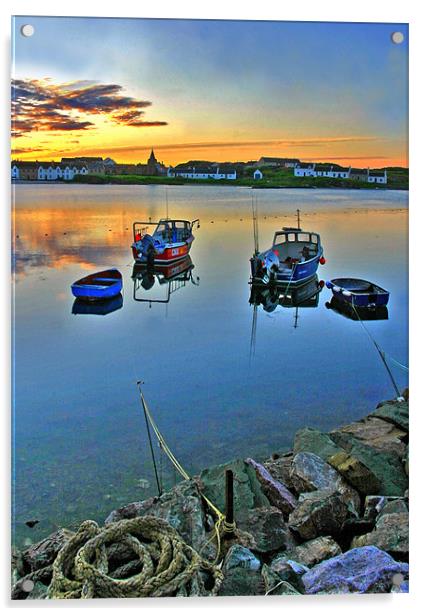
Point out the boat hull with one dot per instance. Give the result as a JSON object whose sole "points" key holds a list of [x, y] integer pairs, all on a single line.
{"points": [[302, 272], [358, 293], [169, 255], [97, 287]]}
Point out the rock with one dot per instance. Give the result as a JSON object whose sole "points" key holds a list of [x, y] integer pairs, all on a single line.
{"points": [[390, 534], [181, 507], [309, 472], [355, 472], [289, 571], [269, 531], [319, 513], [247, 489], [239, 556], [386, 466], [44, 552], [274, 585], [314, 551], [314, 441], [375, 505], [394, 505], [395, 413], [377, 433], [242, 576], [276, 493], [17, 565], [279, 467], [361, 570], [38, 592]]}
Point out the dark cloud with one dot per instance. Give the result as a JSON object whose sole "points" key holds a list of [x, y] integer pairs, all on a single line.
{"points": [[46, 106]]}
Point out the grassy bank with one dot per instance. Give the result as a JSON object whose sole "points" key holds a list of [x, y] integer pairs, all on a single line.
{"points": [[282, 178]]}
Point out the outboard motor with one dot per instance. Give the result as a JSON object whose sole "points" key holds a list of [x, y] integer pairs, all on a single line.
{"points": [[268, 265], [146, 248]]}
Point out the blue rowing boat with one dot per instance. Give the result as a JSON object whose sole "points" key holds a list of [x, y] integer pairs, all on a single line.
{"points": [[357, 292], [99, 286]]}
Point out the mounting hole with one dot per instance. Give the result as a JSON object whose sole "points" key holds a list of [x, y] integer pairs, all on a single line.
{"points": [[397, 38], [27, 585], [27, 30]]}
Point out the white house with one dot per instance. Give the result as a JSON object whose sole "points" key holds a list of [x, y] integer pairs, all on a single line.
{"points": [[257, 175], [378, 177], [59, 171], [15, 172], [305, 170], [203, 173], [330, 171]]}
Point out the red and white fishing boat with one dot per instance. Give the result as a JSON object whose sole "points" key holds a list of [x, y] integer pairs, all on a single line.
{"points": [[170, 241]]}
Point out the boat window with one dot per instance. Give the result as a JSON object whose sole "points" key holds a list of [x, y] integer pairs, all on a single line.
{"points": [[303, 237], [314, 239], [291, 237]]}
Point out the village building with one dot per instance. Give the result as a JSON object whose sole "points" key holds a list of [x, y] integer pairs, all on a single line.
{"points": [[361, 175], [24, 170], [332, 171], [34, 170], [378, 177], [210, 172], [305, 170], [257, 175], [289, 163], [93, 164], [152, 167]]}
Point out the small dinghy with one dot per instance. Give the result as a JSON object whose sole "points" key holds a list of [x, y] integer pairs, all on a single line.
{"points": [[357, 292], [101, 307], [99, 286]]}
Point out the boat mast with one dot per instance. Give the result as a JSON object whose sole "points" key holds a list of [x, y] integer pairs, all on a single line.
{"points": [[255, 226], [298, 218]]}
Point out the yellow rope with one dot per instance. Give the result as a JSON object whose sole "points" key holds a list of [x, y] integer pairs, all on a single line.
{"points": [[221, 525]]}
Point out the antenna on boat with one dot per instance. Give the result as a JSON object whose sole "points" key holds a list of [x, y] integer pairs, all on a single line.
{"points": [[298, 218], [255, 225], [167, 203]]}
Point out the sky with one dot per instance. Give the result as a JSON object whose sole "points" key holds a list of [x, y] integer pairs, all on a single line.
{"points": [[209, 90]]}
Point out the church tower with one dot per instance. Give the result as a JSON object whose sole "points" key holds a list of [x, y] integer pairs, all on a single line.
{"points": [[152, 164]]}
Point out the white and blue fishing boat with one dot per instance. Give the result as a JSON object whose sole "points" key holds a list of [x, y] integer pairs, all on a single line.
{"points": [[292, 259], [100, 286], [357, 292]]}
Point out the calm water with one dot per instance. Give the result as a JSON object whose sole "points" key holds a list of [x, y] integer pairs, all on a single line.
{"points": [[79, 439]]}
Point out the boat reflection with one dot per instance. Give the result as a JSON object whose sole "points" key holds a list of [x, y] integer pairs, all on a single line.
{"points": [[101, 307], [379, 313], [303, 296], [172, 277]]}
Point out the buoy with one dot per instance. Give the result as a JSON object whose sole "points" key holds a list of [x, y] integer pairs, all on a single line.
{"points": [[321, 284], [322, 260]]}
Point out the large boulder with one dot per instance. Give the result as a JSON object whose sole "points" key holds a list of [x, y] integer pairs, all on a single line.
{"points": [[269, 531], [248, 492], [389, 534], [277, 494], [242, 573], [361, 570], [375, 506], [385, 466], [319, 513], [377, 433], [355, 473], [274, 585], [309, 472], [289, 570], [181, 507], [394, 412], [310, 553], [43, 553], [279, 466], [316, 442]]}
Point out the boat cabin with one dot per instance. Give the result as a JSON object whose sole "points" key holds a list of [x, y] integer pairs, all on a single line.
{"points": [[296, 245], [167, 231]]}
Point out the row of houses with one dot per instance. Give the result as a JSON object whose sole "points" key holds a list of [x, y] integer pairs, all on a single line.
{"points": [[206, 172], [335, 171], [29, 170]]}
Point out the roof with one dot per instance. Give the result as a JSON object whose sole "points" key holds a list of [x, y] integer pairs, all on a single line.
{"points": [[306, 165], [26, 164], [359, 171], [279, 160], [377, 174]]}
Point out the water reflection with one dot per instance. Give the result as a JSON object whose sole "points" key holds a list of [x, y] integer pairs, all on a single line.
{"points": [[380, 313], [101, 307], [169, 278], [302, 296]]}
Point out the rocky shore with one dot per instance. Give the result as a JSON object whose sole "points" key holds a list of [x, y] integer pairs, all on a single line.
{"points": [[330, 516]]}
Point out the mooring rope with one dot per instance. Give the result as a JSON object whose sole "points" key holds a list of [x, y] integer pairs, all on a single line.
{"points": [[158, 563], [221, 526], [381, 352]]}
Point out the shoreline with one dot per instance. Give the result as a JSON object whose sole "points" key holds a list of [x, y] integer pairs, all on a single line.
{"points": [[328, 516]]}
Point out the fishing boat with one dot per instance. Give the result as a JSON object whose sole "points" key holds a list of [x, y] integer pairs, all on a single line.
{"points": [[358, 292], [100, 286], [292, 259], [171, 240], [380, 313], [301, 296]]}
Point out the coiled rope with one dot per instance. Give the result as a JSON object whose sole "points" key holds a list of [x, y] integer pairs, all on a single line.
{"points": [[221, 526], [157, 563]]}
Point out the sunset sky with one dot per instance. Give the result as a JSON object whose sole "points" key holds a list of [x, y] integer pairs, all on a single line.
{"points": [[211, 90]]}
